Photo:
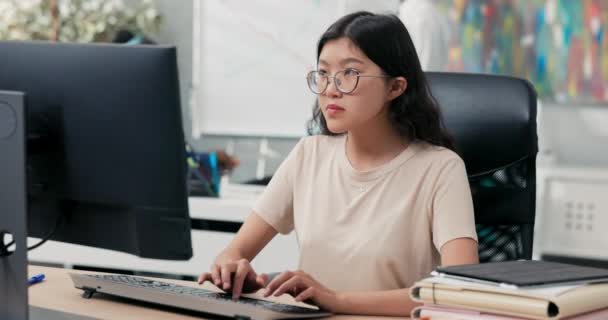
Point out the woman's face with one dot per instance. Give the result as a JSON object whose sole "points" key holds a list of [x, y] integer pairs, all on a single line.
{"points": [[347, 111]]}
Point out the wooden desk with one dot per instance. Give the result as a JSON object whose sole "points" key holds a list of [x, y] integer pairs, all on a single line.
{"points": [[57, 293]]}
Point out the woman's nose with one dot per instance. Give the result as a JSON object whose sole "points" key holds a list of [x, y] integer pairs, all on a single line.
{"points": [[332, 90]]}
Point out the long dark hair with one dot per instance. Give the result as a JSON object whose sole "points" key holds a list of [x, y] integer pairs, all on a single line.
{"points": [[384, 39]]}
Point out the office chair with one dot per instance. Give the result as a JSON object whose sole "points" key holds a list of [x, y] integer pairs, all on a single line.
{"points": [[493, 122]]}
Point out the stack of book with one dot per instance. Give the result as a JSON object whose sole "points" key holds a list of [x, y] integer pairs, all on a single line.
{"points": [[513, 290]]}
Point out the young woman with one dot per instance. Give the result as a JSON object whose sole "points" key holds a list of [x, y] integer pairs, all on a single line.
{"points": [[378, 199]]}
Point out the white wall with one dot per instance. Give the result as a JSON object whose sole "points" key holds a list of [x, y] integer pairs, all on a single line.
{"points": [[176, 29], [251, 60]]}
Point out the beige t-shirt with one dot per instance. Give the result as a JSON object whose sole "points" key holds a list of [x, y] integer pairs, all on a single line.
{"points": [[375, 230]]}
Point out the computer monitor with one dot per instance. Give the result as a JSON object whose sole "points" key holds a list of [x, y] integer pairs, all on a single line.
{"points": [[105, 155]]}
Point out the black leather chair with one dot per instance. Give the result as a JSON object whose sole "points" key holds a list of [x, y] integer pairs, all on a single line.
{"points": [[493, 122]]}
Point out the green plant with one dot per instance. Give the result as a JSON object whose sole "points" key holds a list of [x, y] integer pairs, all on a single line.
{"points": [[75, 20]]}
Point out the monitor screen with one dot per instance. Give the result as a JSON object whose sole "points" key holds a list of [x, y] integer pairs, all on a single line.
{"points": [[106, 153]]}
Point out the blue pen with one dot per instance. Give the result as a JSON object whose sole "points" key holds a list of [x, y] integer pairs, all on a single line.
{"points": [[215, 177], [35, 279]]}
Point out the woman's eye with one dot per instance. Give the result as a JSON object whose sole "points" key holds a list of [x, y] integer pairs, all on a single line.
{"points": [[350, 72]]}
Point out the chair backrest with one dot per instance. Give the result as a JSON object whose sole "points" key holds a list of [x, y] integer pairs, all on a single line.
{"points": [[493, 122]]}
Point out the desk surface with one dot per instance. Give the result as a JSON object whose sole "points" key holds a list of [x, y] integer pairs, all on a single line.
{"points": [[57, 293]]}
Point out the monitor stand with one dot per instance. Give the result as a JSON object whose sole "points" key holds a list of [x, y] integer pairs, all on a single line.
{"points": [[13, 207]]}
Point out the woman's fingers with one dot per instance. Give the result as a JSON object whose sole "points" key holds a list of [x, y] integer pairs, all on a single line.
{"points": [[292, 286], [235, 277], [277, 282], [261, 280], [205, 277], [216, 275], [243, 271], [306, 294], [212, 276], [226, 273]]}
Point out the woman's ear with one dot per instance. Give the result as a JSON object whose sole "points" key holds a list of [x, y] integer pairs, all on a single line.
{"points": [[397, 87]]}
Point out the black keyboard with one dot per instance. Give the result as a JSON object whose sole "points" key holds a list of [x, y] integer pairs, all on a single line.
{"points": [[202, 293]]}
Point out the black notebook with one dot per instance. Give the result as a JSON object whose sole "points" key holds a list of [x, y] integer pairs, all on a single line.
{"points": [[526, 273]]}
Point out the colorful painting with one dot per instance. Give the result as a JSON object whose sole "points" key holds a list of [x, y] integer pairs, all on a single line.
{"points": [[558, 45]]}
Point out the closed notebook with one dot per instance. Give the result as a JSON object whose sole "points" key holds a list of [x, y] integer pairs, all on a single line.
{"points": [[443, 313], [555, 302], [524, 273]]}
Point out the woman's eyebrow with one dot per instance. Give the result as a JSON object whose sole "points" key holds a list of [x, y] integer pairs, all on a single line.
{"points": [[350, 60], [343, 61]]}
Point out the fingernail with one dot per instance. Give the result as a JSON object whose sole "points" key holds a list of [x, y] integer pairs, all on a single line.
{"points": [[226, 286]]}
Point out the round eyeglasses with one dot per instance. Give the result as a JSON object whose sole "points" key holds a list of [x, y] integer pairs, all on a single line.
{"points": [[345, 81]]}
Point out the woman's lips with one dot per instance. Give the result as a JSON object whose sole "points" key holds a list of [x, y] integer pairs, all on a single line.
{"points": [[334, 109]]}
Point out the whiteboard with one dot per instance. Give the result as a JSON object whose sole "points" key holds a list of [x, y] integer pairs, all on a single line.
{"points": [[251, 59]]}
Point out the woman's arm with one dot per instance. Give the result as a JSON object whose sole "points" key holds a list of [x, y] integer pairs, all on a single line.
{"points": [[381, 303], [304, 288], [251, 238], [459, 251], [378, 303], [397, 302]]}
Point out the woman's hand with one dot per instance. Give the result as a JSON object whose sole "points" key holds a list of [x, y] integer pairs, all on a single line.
{"points": [[235, 277], [304, 288]]}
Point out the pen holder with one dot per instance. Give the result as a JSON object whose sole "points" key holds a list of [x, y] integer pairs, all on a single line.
{"points": [[203, 174]]}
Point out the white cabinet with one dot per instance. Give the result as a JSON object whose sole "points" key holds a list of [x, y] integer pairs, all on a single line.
{"points": [[572, 212]]}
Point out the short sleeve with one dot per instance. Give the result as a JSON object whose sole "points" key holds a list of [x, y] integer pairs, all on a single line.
{"points": [[275, 205], [452, 205]]}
